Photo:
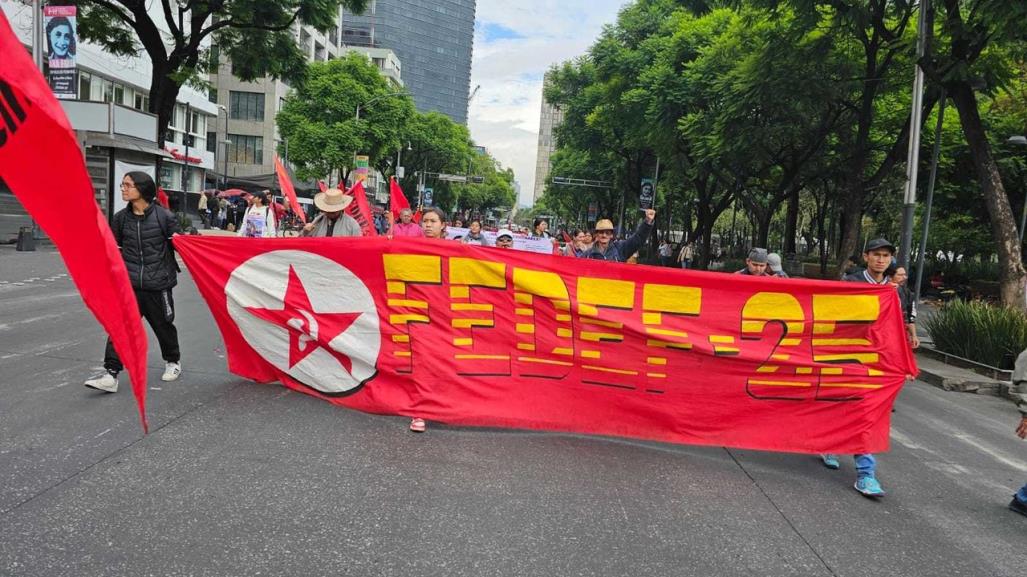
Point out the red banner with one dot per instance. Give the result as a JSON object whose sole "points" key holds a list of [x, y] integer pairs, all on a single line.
{"points": [[483, 336], [360, 210], [39, 154]]}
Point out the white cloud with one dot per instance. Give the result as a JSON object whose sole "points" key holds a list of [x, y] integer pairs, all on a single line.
{"points": [[514, 44]]}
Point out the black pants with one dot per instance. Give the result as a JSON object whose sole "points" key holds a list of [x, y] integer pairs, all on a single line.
{"points": [[158, 308]]}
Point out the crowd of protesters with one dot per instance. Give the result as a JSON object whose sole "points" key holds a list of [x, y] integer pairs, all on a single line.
{"points": [[143, 231]]}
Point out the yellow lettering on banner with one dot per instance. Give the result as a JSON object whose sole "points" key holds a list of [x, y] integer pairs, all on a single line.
{"points": [[590, 354], [463, 342], [652, 318], [545, 338], [459, 292], [476, 272], [471, 307], [657, 360], [678, 300], [413, 268], [785, 310], [402, 270], [602, 292], [846, 308]]}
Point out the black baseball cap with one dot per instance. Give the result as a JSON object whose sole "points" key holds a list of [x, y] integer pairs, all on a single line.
{"points": [[879, 243]]}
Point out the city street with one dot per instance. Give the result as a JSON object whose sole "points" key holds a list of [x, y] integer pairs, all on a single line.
{"points": [[237, 478]]}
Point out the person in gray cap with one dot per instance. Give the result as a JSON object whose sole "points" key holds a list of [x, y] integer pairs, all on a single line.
{"points": [[756, 264], [878, 256], [774, 265]]}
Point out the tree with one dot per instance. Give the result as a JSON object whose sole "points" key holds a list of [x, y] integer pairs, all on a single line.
{"points": [[255, 34], [319, 117], [961, 62], [495, 191], [437, 145]]}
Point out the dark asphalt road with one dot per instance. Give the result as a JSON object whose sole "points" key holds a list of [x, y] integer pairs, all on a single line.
{"points": [[243, 479]]}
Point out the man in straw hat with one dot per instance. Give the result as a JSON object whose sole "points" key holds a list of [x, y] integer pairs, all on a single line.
{"points": [[605, 248], [332, 221]]}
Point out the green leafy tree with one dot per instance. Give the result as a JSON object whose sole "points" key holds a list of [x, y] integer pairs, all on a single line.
{"points": [[255, 34], [436, 145], [319, 117]]}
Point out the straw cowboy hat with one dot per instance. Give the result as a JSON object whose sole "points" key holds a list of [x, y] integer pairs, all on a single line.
{"points": [[332, 200]]}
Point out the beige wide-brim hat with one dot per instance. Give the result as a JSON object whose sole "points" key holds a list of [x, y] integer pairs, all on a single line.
{"points": [[332, 200], [604, 224]]}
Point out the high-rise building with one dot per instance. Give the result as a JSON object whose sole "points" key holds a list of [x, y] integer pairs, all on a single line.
{"points": [[551, 118], [433, 39]]}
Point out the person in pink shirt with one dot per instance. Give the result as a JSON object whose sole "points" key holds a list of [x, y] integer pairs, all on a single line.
{"points": [[406, 225]]}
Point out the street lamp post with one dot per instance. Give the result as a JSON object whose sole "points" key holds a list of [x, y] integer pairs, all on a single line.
{"points": [[224, 177]]}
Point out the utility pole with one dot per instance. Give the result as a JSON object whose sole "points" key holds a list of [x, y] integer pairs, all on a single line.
{"points": [[913, 158], [185, 162]]}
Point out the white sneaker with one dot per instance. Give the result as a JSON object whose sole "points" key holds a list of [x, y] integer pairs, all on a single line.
{"points": [[106, 382], [171, 371]]}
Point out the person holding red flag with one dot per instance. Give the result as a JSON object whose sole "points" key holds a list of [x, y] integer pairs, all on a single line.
{"points": [[143, 230], [332, 221], [406, 225]]}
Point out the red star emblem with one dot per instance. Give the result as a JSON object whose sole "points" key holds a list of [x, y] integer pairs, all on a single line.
{"points": [[308, 330]]}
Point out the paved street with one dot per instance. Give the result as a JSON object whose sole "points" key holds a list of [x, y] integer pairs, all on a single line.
{"points": [[243, 479]]}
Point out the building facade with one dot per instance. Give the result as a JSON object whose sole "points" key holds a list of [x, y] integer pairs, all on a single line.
{"points": [[245, 136], [550, 118], [116, 132], [434, 40]]}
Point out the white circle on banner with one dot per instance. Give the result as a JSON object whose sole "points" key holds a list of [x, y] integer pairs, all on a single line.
{"points": [[309, 316]]}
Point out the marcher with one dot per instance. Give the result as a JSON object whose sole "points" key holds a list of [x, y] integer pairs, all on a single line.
{"points": [[223, 211], [143, 231], [1019, 394], [686, 255], [332, 221], [504, 238], [756, 263], [605, 248], [215, 211], [900, 279], [539, 228], [474, 235], [878, 256], [259, 219], [774, 264], [406, 225], [433, 221]]}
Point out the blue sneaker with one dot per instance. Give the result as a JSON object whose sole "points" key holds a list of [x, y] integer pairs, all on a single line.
{"points": [[869, 487], [830, 461]]}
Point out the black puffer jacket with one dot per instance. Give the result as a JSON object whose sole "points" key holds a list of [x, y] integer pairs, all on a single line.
{"points": [[146, 246]]}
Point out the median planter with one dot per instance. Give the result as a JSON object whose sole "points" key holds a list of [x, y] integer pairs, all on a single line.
{"points": [[983, 337]]}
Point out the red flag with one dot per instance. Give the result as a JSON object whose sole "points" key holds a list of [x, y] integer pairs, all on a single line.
{"points": [[287, 189], [37, 139], [483, 337], [162, 198], [566, 237], [397, 200], [360, 210], [417, 217], [322, 186]]}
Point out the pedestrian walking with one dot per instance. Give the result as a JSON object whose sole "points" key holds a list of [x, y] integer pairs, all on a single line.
{"points": [[878, 256], [143, 232], [259, 220], [666, 252], [900, 279], [332, 221], [686, 255], [605, 248], [201, 208], [756, 263]]}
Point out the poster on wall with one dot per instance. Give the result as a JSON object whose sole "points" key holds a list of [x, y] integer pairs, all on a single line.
{"points": [[61, 46]]}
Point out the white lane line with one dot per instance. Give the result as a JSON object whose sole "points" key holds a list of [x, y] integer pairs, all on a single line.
{"points": [[1014, 463], [102, 434], [5, 326]]}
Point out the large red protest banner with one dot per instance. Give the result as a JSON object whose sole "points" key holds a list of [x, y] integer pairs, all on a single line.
{"points": [[41, 162], [482, 336]]}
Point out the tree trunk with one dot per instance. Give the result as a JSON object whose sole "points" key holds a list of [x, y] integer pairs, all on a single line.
{"points": [[1003, 223], [763, 229], [791, 221], [163, 95]]}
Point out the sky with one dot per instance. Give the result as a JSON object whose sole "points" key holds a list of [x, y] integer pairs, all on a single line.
{"points": [[514, 44]]}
